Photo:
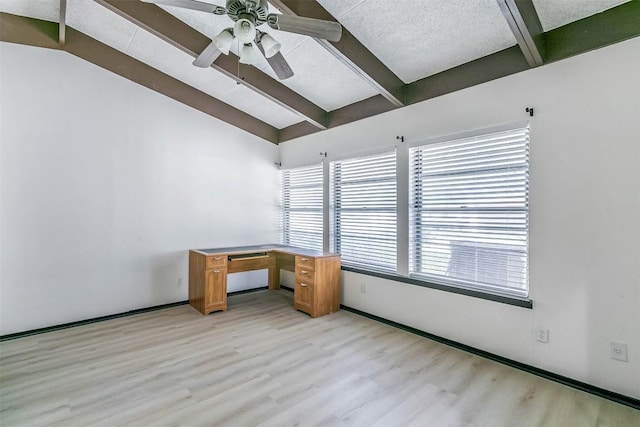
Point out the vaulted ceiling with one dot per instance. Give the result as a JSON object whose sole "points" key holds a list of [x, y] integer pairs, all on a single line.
{"points": [[392, 53]]}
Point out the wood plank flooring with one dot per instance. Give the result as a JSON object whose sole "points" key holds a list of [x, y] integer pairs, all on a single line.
{"points": [[262, 363]]}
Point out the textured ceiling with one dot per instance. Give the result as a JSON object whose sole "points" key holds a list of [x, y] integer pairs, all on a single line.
{"points": [[319, 76], [49, 10], [111, 29], [418, 38], [556, 13], [414, 39]]}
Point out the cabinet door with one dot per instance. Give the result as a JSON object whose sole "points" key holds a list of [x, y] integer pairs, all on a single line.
{"points": [[216, 289], [303, 297]]}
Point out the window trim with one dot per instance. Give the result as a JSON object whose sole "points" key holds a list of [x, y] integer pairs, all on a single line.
{"points": [[335, 203], [285, 231], [470, 134], [510, 300], [472, 290]]}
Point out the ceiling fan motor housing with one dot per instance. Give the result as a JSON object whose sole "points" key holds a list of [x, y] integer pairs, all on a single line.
{"points": [[259, 9]]}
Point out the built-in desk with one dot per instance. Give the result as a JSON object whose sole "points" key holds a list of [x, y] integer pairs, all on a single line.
{"points": [[317, 275]]}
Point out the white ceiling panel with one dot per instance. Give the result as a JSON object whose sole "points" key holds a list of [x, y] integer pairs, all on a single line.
{"points": [[207, 23], [323, 79], [153, 51], [49, 10], [339, 7], [556, 13], [419, 38], [100, 23], [258, 106]]}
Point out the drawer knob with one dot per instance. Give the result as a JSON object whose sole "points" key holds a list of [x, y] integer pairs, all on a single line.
{"points": [[304, 285], [304, 259], [216, 271], [217, 258], [304, 272]]}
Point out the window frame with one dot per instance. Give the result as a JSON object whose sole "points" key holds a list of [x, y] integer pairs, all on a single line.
{"points": [[415, 243], [336, 212], [287, 210]]}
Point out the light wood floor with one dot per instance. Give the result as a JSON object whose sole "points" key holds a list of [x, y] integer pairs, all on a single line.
{"points": [[262, 363]]}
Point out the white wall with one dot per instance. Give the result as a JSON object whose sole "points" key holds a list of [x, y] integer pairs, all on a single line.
{"points": [[107, 184], [584, 215]]}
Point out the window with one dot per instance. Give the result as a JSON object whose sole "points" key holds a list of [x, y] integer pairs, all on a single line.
{"points": [[363, 215], [469, 212], [302, 207]]}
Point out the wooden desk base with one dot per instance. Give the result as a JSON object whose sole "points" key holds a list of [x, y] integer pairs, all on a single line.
{"points": [[317, 276]]}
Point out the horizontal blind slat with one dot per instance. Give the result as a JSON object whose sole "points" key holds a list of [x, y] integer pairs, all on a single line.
{"points": [[469, 202], [364, 210], [303, 204]]}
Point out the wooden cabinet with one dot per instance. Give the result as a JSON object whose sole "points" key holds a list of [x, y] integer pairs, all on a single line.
{"points": [[215, 290], [303, 297], [207, 282], [317, 284]]}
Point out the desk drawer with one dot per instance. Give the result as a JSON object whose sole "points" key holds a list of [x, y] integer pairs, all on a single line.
{"points": [[255, 262], [305, 263], [305, 274], [216, 261]]}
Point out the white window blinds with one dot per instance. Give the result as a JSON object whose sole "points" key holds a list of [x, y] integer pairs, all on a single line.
{"points": [[302, 207], [469, 212], [363, 215]]}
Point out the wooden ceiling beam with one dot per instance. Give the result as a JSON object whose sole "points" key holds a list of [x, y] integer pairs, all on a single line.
{"points": [[606, 28], [104, 56], [612, 26], [602, 29], [28, 31], [369, 107], [523, 20], [500, 64], [295, 131], [169, 28], [39, 33], [119, 63], [359, 110], [350, 52]]}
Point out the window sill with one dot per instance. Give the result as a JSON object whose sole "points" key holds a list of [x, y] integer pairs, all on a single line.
{"points": [[526, 303]]}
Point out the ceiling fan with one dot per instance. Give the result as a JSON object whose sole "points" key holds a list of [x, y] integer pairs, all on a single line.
{"points": [[247, 15]]}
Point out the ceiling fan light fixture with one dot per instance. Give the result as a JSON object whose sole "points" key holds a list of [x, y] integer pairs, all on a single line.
{"points": [[244, 30], [270, 45], [249, 55], [224, 40]]}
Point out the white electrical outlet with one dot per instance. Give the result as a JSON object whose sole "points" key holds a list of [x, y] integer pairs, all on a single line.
{"points": [[363, 288], [179, 282], [542, 334], [619, 351]]}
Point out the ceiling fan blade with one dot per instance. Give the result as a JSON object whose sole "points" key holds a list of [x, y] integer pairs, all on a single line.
{"points": [[207, 56], [277, 62], [280, 66], [319, 28], [192, 4]]}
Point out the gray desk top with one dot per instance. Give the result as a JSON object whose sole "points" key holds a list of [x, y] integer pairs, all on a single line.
{"points": [[265, 248]]}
